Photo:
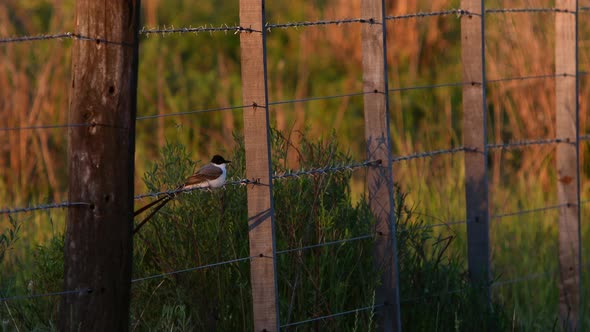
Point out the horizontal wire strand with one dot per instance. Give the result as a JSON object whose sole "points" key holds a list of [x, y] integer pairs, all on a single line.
{"points": [[352, 94], [34, 296], [303, 100], [57, 36], [420, 155], [313, 171], [458, 12], [373, 307], [196, 30], [177, 191], [325, 244], [43, 207], [528, 211], [201, 267], [518, 144], [207, 110], [239, 29], [326, 169], [527, 10], [270, 26]]}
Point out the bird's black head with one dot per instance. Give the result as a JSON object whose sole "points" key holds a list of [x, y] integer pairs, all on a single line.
{"points": [[218, 160]]}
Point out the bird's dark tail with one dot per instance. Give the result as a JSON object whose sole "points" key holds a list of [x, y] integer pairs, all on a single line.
{"points": [[162, 201], [147, 206]]}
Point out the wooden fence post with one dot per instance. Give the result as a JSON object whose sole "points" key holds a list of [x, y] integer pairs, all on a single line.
{"points": [[98, 244], [475, 136], [380, 178], [567, 162], [258, 166]]}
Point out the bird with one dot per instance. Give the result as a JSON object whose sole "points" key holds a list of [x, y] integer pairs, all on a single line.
{"points": [[211, 175]]}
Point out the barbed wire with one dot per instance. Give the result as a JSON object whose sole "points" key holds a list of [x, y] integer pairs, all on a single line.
{"points": [[433, 153], [296, 174], [270, 26], [63, 35], [43, 207], [326, 169], [236, 29], [315, 319], [276, 176], [174, 192], [82, 291], [57, 36], [527, 10], [201, 267], [519, 144], [458, 12]]}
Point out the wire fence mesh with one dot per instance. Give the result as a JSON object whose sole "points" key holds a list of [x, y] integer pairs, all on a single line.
{"points": [[320, 171]]}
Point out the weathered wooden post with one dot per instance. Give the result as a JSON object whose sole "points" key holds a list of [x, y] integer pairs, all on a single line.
{"points": [[475, 136], [380, 178], [258, 166], [98, 244], [567, 162]]}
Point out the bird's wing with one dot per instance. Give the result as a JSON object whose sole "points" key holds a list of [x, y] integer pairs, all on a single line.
{"points": [[205, 173]]}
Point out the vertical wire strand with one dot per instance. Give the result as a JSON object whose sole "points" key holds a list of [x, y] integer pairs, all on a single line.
{"points": [[578, 184], [270, 175], [486, 148], [392, 218]]}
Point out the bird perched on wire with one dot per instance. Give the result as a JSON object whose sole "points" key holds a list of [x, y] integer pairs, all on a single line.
{"points": [[211, 175]]}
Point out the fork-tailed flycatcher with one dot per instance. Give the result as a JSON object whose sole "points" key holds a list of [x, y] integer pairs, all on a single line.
{"points": [[211, 175]]}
